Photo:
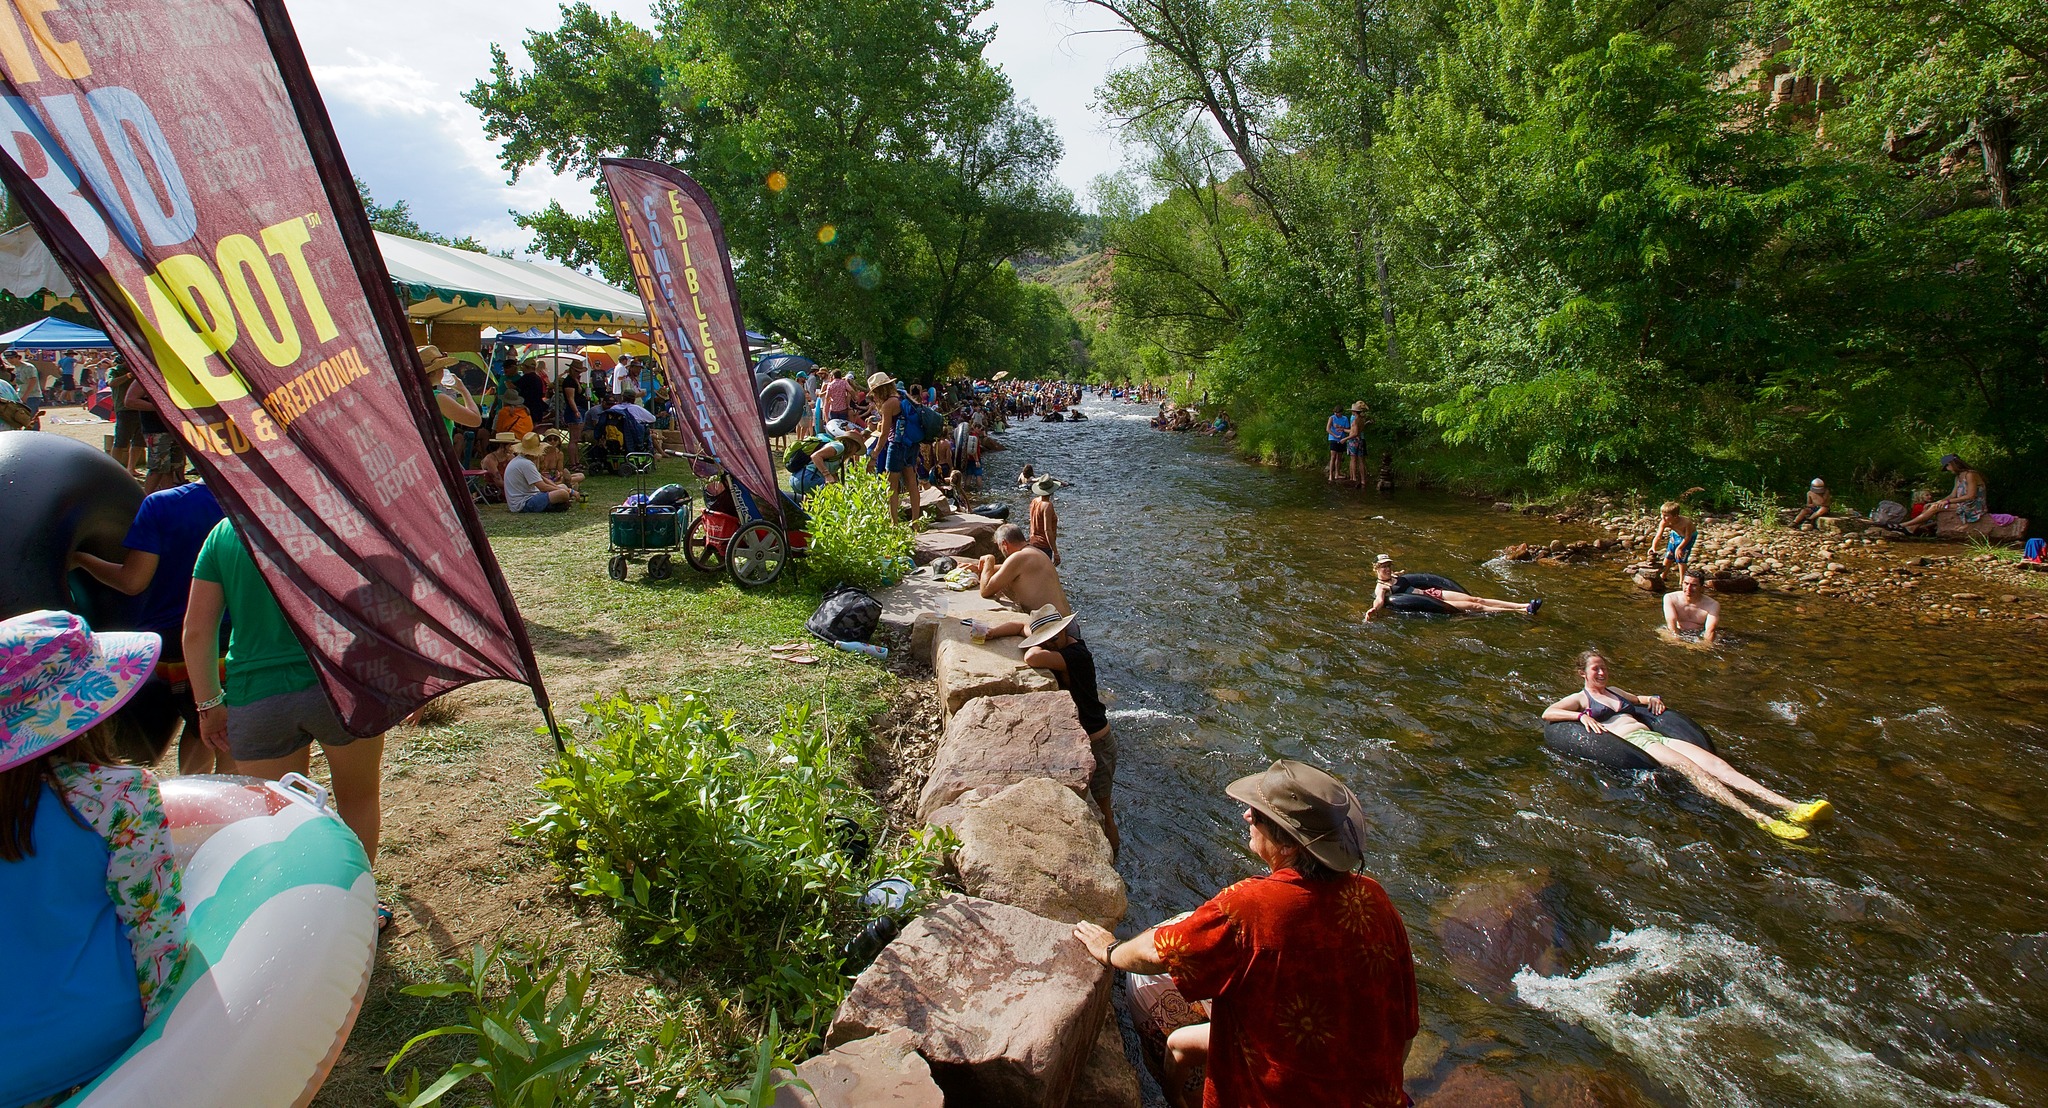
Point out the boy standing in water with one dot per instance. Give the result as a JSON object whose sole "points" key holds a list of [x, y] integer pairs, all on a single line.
{"points": [[1675, 534]]}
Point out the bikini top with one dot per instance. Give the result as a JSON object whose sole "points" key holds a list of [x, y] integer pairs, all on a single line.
{"points": [[1601, 713]]}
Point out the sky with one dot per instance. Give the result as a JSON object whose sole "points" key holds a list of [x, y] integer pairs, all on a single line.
{"points": [[392, 73]]}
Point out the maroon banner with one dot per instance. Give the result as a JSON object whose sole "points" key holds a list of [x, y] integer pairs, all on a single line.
{"points": [[180, 164], [684, 275]]}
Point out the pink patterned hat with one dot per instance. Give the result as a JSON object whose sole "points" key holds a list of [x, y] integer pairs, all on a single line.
{"points": [[57, 679]]}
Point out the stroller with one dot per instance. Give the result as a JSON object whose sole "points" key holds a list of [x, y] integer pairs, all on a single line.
{"points": [[615, 434]]}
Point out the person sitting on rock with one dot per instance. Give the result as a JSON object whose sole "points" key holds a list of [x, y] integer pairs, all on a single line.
{"points": [[1390, 585], [1024, 577], [1691, 612], [1308, 965], [1818, 501], [1051, 645], [1604, 709], [1961, 508]]}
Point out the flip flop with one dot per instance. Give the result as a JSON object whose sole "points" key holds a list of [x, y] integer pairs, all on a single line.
{"points": [[384, 918], [799, 659]]}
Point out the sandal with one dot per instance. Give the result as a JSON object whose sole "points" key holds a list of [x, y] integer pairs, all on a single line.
{"points": [[384, 918]]}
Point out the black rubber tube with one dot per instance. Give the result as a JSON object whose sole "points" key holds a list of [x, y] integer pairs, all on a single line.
{"points": [[782, 406], [1416, 603], [61, 495], [1571, 738]]}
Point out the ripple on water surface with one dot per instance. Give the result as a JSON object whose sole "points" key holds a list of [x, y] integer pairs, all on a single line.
{"points": [[1897, 957]]}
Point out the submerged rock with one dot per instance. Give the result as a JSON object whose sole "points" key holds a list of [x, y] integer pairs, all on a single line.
{"points": [[1495, 925], [1474, 1086]]}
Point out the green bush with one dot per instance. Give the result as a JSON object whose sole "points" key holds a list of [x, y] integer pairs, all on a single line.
{"points": [[704, 846], [853, 540]]}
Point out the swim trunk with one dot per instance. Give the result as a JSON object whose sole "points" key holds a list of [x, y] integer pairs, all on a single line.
{"points": [[166, 457], [1102, 744], [127, 429], [281, 725], [1336, 446], [67, 383], [1678, 548]]}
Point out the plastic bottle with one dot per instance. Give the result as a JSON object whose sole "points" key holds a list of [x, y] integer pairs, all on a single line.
{"points": [[867, 648]]}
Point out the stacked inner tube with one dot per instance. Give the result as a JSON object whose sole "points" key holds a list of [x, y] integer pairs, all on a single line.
{"points": [[63, 496], [1571, 738], [1406, 600]]}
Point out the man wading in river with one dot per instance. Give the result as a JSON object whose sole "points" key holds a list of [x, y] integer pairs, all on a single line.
{"points": [[1309, 966], [1691, 611]]}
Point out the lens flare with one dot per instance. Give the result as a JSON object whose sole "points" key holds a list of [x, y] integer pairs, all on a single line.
{"points": [[827, 233], [915, 327], [777, 181], [855, 263]]}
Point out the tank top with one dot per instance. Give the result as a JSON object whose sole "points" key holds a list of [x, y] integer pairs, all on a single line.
{"points": [[72, 1004], [1340, 423]]}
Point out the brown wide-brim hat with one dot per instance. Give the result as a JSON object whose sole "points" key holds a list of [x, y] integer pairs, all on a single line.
{"points": [[1321, 812], [530, 444]]}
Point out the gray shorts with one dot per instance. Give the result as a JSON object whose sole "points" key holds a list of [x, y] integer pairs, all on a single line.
{"points": [[282, 725], [1102, 744]]}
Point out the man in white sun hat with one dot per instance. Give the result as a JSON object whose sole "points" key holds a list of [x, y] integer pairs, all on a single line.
{"points": [[1050, 644]]}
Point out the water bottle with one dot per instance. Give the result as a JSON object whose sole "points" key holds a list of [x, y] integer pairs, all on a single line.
{"points": [[867, 648]]}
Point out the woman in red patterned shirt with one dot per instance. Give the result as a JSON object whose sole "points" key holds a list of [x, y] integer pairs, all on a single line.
{"points": [[1308, 969]]}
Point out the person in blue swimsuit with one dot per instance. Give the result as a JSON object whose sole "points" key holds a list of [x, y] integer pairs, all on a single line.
{"points": [[1675, 533], [1603, 709], [1338, 428]]}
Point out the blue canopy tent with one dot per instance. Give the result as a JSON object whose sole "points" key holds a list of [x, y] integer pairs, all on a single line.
{"points": [[51, 333]]}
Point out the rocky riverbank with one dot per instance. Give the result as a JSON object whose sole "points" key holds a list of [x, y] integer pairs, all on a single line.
{"points": [[1841, 560]]}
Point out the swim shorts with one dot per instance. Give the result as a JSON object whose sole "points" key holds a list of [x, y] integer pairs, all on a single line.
{"points": [[166, 458], [127, 429], [281, 725], [1102, 744], [896, 456], [1336, 446], [1355, 449]]}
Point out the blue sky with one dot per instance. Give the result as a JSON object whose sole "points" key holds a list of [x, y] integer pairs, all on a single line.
{"points": [[392, 74]]}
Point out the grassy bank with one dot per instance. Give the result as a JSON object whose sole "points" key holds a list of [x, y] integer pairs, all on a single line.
{"points": [[457, 787]]}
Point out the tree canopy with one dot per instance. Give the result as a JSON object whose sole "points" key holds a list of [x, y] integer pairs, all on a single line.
{"points": [[874, 173], [1595, 242]]}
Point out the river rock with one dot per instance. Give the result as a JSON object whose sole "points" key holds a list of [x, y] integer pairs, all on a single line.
{"points": [[930, 546], [1579, 1087], [1733, 584], [1108, 1080], [1496, 924], [967, 670], [980, 529], [998, 741], [1424, 1052], [881, 1071], [1474, 1086], [1038, 846], [1004, 1005]]}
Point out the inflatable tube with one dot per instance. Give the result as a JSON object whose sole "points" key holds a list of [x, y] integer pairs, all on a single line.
{"points": [[782, 406], [61, 496], [281, 936], [961, 432], [993, 511], [1416, 603], [1158, 1010], [1570, 737]]}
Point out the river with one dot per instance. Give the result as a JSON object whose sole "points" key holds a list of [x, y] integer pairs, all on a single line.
{"points": [[1898, 956]]}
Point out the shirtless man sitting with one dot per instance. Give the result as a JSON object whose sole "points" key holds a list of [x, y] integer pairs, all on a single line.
{"points": [[1025, 577], [1692, 611]]}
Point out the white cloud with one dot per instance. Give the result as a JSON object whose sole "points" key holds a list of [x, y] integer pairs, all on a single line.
{"points": [[393, 72]]}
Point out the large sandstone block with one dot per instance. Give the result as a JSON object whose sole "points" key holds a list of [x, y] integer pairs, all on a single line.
{"points": [[997, 741], [933, 545], [967, 670], [980, 530], [1108, 1080], [882, 1071], [918, 593], [1036, 845], [1005, 1005]]}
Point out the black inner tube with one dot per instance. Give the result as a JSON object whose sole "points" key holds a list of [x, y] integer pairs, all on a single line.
{"points": [[1570, 737], [1407, 600]]}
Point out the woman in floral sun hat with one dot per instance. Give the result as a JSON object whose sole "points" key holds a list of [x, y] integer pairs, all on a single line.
{"points": [[93, 925]]}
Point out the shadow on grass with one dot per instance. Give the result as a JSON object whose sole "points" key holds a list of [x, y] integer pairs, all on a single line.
{"points": [[588, 642]]}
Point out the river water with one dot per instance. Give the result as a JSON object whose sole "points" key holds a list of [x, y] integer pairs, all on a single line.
{"points": [[1898, 956]]}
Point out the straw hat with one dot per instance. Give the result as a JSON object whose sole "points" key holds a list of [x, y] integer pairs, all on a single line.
{"points": [[432, 359], [877, 380], [1319, 811], [844, 429], [1358, 406], [58, 678], [1046, 625], [504, 436], [1384, 559], [529, 444]]}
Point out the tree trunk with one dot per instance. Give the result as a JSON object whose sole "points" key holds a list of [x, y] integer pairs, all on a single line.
{"points": [[1994, 138], [867, 355]]}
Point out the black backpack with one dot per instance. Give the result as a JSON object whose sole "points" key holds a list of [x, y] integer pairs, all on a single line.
{"points": [[847, 614], [933, 422]]}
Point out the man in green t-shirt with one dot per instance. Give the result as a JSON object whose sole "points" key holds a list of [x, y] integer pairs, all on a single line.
{"points": [[273, 709]]}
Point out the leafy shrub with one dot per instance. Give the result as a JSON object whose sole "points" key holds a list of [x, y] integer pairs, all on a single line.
{"points": [[531, 1050], [1758, 507], [535, 1051], [853, 540], [701, 844]]}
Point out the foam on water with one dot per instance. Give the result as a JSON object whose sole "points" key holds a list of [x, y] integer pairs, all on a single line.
{"points": [[1140, 713], [1786, 710], [1717, 1018]]}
